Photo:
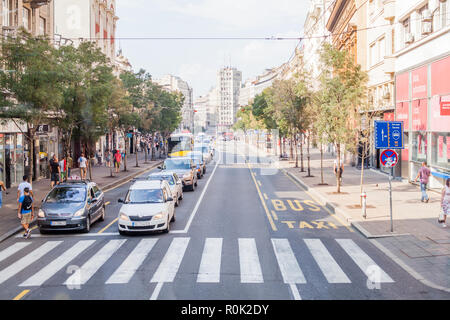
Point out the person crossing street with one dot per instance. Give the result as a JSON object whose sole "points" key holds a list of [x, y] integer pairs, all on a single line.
{"points": [[26, 211]]}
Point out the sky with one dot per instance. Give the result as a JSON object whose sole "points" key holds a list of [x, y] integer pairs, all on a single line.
{"points": [[197, 61]]}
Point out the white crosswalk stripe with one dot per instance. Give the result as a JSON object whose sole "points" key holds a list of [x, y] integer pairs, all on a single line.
{"points": [[329, 267], [82, 275], [290, 270], [210, 264], [132, 263], [364, 262], [30, 258], [56, 265], [168, 268], [249, 262], [13, 249]]}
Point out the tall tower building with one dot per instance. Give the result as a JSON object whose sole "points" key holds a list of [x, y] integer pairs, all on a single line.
{"points": [[228, 86]]}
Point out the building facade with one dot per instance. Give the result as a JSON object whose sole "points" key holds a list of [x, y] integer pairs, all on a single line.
{"points": [[174, 84], [253, 87], [422, 89], [93, 20], [228, 85]]}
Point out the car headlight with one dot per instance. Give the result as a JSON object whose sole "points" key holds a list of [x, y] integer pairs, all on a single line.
{"points": [[123, 216], [158, 216], [41, 213], [79, 213]]}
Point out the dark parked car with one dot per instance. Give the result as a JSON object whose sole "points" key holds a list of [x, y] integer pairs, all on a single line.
{"points": [[72, 205]]}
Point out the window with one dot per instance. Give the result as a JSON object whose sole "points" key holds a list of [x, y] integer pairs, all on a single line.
{"points": [[382, 49], [406, 26], [26, 18], [6, 12], [41, 26], [444, 14]]}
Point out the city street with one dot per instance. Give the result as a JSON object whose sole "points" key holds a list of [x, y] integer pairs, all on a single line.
{"points": [[247, 232]]}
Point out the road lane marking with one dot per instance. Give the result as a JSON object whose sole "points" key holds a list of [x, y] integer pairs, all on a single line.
{"points": [[290, 270], [272, 224], [274, 215], [265, 196], [295, 292], [26, 261], [156, 291], [83, 274], [105, 234], [56, 265], [168, 267], [249, 262], [132, 263], [107, 203], [109, 225], [21, 295], [326, 262], [334, 216], [364, 262], [194, 212], [210, 264], [260, 184], [13, 249]]}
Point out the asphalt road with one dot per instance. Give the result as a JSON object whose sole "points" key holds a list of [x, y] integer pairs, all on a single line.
{"points": [[247, 232]]}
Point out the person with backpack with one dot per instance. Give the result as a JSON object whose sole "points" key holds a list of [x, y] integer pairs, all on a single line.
{"points": [[424, 174], [26, 212]]}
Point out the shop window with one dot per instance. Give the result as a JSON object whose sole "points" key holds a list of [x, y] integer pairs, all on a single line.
{"points": [[440, 149], [419, 146]]}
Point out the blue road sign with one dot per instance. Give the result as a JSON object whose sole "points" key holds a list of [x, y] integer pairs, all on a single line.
{"points": [[389, 135]]}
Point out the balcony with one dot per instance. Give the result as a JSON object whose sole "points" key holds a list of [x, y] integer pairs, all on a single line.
{"points": [[37, 3], [389, 9], [9, 31], [389, 65]]}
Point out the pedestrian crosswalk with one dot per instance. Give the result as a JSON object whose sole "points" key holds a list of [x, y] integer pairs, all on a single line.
{"points": [[335, 259]]}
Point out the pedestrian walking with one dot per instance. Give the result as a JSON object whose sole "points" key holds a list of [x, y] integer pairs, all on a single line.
{"points": [[424, 174], [55, 171], [69, 164], [26, 212], [108, 159], [338, 171], [98, 155], [2, 188], [445, 202], [24, 184], [83, 163], [63, 167], [117, 160]]}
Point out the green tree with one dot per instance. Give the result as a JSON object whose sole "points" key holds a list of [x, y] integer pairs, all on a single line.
{"points": [[30, 82]]}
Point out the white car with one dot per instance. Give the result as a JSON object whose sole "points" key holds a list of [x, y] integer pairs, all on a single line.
{"points": [[175, 183], [205, 150], [148, 206]]}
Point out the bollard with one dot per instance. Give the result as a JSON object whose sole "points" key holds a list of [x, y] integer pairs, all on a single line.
{"points": [[364, 199]]}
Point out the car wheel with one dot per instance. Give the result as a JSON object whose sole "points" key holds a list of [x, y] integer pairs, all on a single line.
{"points": [[166, 230], [181, 196], [122, 233], [173, 217], [102, 217], [88, 225], [42, 231], [196, 183], [177, 202]]}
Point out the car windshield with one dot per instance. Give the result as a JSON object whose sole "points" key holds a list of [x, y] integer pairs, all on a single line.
{"points": [[66, 194], [201, 149], [169, 179], [176, 164], [144, 196]]}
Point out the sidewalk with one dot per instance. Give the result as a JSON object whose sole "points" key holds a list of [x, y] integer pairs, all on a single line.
{"points": [[10, 224], [419, 243]]}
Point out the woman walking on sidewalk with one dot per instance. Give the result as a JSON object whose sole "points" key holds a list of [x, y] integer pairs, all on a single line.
{"points": [[445, 200], [424, 173], [2, 188]]}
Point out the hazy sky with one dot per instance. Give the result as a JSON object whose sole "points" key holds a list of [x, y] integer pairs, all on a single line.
{"points": [[197, 61]]}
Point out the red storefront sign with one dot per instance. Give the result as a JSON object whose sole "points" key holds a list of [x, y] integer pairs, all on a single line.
{"points": [[388, 116], [438, 121], [419, 82], [419, 115], [445, 108], [403, 114]]}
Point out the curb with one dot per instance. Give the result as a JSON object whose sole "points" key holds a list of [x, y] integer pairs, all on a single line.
{"points": [[106, 188]]}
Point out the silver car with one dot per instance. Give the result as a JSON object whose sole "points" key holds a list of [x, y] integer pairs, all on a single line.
{"points": [[148, 206], [175, 183]]}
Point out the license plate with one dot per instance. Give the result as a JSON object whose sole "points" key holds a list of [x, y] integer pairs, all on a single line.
{"points": [[142, 224], [58, 223]]}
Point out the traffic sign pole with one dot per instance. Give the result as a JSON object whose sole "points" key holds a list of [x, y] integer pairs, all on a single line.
{"points": [[390, 197]]}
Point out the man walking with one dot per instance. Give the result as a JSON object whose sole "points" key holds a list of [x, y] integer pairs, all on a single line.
{"points": [[55, 170], [424, 174], [2, 188], [82, 162], [26, 212]]}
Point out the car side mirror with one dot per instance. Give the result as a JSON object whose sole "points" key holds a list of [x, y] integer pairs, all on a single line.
{"points": [[120, 200], [160, 168], [169, 199]]}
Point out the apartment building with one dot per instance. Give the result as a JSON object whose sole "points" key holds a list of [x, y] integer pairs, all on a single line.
{"points": [[94, 20], [422, 89], [173, 84], [228, 85], [255, 86]]}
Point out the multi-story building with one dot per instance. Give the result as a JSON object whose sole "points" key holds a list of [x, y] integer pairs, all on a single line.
{"points": [[93, 20], [422, 89], [200, 113], [253, 87], [37, 18], [174, 84], [228, 85]]}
